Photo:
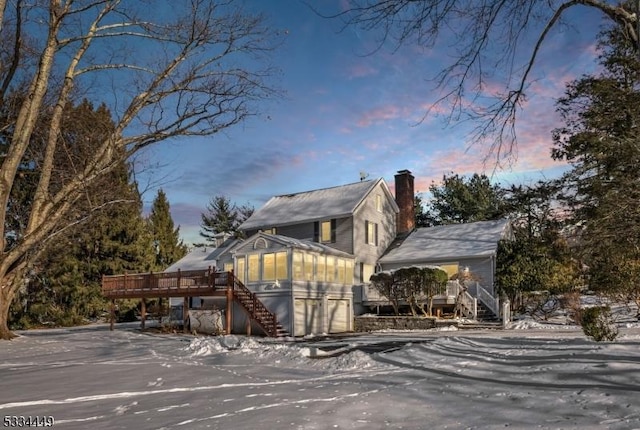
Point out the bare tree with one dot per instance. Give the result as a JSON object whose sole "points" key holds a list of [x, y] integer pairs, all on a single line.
{"points": [[165, 69], [487, 37]]}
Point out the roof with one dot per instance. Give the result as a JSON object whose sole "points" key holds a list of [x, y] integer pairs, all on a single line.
{"points": [[315, 205], [445, 242], [202, 258], [287, 241]]}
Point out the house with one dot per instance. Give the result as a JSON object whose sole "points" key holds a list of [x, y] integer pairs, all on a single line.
{"points": [[308, 258], [469, 250], [307, 284]]}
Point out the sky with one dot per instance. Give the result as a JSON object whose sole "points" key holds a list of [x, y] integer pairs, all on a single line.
{"points": [[348, 108], [533, 375]]}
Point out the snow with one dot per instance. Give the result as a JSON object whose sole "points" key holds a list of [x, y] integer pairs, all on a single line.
{"points": [[531, 375]]}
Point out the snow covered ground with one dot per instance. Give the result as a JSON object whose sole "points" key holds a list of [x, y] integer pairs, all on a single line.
{"points": [[531, 376]]}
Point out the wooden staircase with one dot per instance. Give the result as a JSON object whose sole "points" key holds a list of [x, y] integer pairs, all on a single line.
{"points": [[257, 311], [485, 314]]}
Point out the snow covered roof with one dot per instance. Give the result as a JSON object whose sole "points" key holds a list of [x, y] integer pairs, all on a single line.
{"points": [[334, 202], [202, 258], [449, 241], [286, 241]]}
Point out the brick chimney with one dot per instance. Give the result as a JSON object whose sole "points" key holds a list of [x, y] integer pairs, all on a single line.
{"points": [[406, 220]]}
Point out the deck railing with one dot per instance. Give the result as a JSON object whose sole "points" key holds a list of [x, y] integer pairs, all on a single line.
{"points": [[180, 283]]}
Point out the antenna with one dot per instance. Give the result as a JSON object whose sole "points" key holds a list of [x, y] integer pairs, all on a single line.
{"points": [[363, 175]]}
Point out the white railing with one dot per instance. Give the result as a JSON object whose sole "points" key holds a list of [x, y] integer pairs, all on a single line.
{"points": [[462, 296], [506, 313], [491, 302]]}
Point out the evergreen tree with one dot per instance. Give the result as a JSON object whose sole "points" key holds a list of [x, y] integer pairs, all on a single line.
{"points": [[166, 239], [223, 216], [106, 235], [463, 200], [601, 140]]}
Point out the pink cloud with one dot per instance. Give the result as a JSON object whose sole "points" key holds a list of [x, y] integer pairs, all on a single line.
{"points": [[360, 71], [379, 114]]}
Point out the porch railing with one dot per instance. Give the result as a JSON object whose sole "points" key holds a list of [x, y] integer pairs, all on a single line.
{"points": [[491, 302], [463, 298]]}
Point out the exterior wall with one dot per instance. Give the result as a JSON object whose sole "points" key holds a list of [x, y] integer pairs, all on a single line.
{"points": [[386, 220], [305, 231]]}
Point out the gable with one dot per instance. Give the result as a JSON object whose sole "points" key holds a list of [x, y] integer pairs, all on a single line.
{"points": [[309, 206]]}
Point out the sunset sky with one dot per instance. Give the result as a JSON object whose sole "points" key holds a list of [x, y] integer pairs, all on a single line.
{"points": [[349, 108]]}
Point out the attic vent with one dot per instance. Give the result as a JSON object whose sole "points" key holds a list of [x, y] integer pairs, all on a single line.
{"points": [[260, 243]]}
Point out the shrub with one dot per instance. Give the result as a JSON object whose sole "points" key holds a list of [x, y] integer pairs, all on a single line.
{"points": [[597, 323]]}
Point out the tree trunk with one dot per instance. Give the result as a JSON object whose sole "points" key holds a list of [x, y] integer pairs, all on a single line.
{"points": [[6, 297]]}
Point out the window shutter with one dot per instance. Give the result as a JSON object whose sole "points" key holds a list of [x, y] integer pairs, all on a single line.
{"points": [[366, 232], [316, 231], [376, 228], [333, 230]]}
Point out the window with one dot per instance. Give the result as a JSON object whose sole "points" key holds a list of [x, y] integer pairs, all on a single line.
{"points": [[241, 267], [366, 270], [371, 233], [378, 202], [331, 269], [281, 265], [298, 266], [228, 267], [254, 267], [274, 266], [325, 231], [450, 268], [268, 267], [309, 265], [321, 270], [349, 272], [270, 230], [341, 270]]}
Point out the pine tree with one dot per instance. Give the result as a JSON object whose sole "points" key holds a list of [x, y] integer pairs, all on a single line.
{"points": [[462, 200], [601, 140], [223, 217], [166, 238], [107, 233]]}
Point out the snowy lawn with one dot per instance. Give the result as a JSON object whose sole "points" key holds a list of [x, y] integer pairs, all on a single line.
{"points": [[532, 376]]}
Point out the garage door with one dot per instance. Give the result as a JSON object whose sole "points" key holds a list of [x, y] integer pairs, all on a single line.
{"points": [[338, 316], [308, 317]]}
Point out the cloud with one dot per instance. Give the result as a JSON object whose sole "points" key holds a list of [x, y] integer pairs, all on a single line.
{"points": [[379, 114], [360, 70]]}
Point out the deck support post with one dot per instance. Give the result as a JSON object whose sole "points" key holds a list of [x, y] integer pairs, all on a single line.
{"points": [[229, 301], [143, 313], [248, 326], [185, 315], [112, 314]]}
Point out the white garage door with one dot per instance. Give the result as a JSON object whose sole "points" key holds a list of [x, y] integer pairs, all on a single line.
{"points": [[338, 316], [308, 317]]}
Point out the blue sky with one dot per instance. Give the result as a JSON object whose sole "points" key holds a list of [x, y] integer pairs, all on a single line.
{"points": [[347, 109]]}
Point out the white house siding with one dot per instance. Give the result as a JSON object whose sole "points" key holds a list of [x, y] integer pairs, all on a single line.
{"points": [[386, 220]]}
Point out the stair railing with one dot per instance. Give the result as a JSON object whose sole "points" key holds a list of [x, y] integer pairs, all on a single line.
{"points": [[256, 310], [491, 302], [466, 300]]}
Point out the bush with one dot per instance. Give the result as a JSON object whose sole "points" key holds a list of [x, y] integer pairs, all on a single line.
{"points": [[597, 323]]}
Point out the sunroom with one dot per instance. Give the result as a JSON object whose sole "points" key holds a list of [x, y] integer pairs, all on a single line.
{"points": [[306, 284]]}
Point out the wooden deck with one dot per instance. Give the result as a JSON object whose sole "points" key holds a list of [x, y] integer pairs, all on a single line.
{"points": [[175, 284], [194, 283]]}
